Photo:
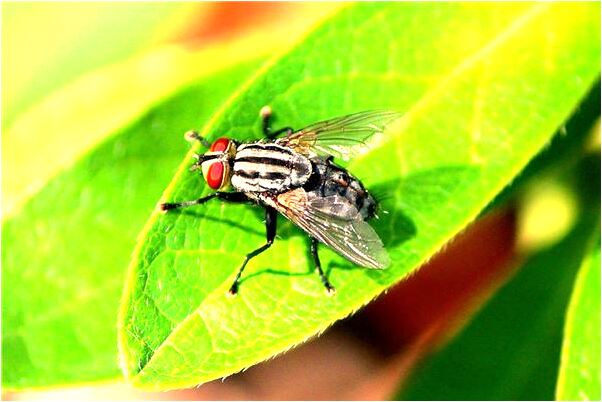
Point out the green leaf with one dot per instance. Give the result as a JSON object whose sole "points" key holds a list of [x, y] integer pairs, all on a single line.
{"points": [[579, 377], [565, 147], [64, 256], [511, 348], [481, 95]]}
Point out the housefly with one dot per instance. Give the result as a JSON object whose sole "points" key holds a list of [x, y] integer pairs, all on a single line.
{"points": [[295, 175]]}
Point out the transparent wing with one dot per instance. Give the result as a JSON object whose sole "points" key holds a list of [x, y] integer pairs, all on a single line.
{"points": [[342, 137], [336, 223]]}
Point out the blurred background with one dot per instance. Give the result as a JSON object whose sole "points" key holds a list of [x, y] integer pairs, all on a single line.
{"points": [[101, 63]]}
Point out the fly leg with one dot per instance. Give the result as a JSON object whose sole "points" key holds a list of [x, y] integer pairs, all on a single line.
{"points": [[270, 233], [193, 135], [266, 114], [229, 197], [314, 252]]}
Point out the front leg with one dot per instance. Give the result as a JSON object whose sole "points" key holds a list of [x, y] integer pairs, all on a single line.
{"points": [[270, 232], [266, 114], [229, 197]]}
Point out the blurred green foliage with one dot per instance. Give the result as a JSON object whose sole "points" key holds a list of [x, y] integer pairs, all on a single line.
{"points": [[511, 349], [46, 45], [579, 377]]}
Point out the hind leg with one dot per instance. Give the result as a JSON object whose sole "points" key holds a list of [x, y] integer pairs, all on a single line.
{"points": [[314, 252]]}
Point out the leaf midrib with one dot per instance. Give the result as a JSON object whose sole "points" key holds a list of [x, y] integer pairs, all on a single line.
{"points": [[413, 112]]}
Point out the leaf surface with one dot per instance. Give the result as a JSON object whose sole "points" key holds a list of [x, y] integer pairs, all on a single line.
{"points": [[464, 88]]}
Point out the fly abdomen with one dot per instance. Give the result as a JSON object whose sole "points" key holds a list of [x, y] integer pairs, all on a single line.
{"points": [[262, 167], [329, 179]]}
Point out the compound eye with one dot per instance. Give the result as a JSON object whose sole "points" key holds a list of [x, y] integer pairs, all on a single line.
{"points": [[220, 145], [215, 175]]}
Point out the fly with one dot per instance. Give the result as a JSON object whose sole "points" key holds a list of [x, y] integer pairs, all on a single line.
{"points": [[295, 175]]}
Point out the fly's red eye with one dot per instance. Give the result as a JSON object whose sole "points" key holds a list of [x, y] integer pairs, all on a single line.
{"points": [[215, 175], [220, 145]]}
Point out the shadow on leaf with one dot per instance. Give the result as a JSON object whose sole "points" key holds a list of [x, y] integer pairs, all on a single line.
{"points": [[431, 188], [223, 221]]}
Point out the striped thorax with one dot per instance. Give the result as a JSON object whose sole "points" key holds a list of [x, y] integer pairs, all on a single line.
{"points": [[268, 167]]}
